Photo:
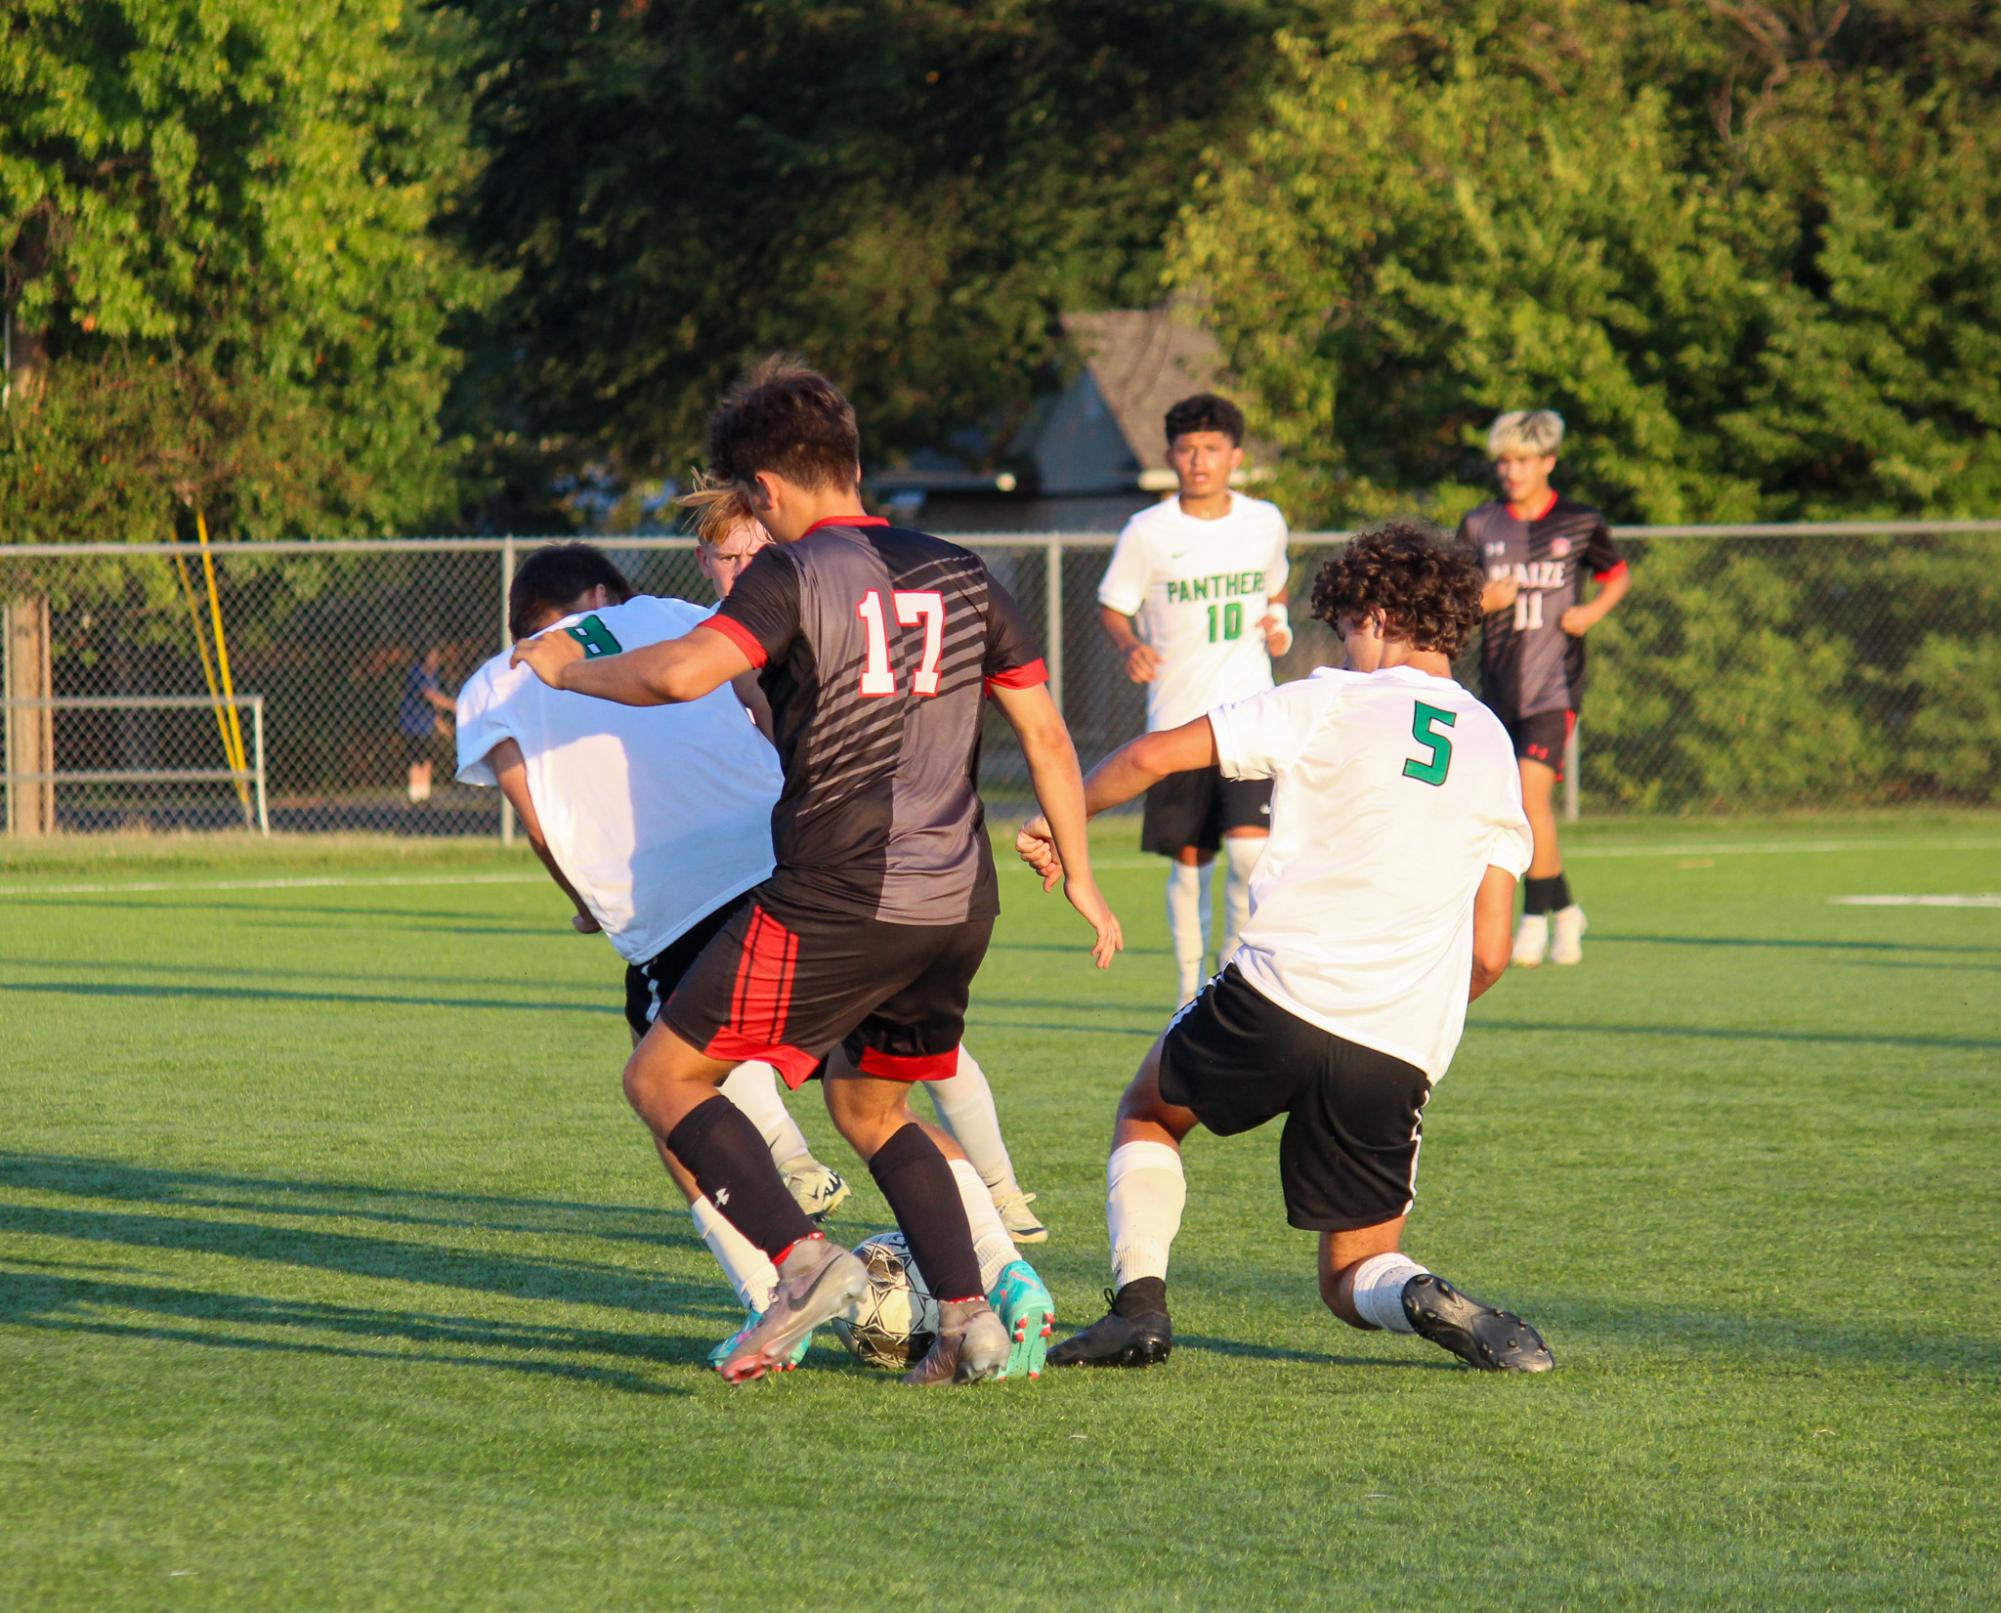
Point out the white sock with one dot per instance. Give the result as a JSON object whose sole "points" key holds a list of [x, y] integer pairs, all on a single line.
{"points": [[1145, 1191], [965, 1105], [748, 1268], [1188, 924], [753, 1088], [1243, 854], [991, 1243], [1379, 1284]]}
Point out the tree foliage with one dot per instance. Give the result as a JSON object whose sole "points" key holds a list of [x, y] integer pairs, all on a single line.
{"points": [[1750, 251], [907, 192], [225, 281]]}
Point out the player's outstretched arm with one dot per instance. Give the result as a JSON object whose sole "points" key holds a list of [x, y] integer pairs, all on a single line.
{"points": [[684, 668], [1580, 619], [1059, 791], [1128, 772], [1493, 923]]}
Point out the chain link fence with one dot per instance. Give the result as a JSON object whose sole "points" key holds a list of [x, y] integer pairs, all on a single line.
{"points": [[1752, 668]]}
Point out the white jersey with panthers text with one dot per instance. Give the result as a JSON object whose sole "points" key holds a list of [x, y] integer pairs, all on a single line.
{"points": [[657, 815], [1394, 793], [1199, 590]]}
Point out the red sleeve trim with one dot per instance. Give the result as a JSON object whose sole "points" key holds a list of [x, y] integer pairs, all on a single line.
{"points": [[1606, 576], [910, 1066], [1020, 677], [739, 635]]}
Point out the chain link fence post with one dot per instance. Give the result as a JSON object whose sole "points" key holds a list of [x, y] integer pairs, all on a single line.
{"points": [[506, 587], [1052, 604]]}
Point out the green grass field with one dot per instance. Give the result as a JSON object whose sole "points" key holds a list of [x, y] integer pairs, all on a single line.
{"points": [[335, 1274]]}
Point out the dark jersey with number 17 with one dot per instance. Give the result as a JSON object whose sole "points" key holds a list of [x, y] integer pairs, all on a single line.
{"points": [[875, 646], [1528, 664]]}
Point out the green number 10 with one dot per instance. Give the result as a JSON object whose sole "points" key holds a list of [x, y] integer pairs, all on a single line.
{"points": [[1424, 722], [1231, 622]]}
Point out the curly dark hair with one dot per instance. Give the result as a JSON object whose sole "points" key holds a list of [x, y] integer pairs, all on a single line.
{"points": [[787, 418], [1206, 412], [1425, 583]]}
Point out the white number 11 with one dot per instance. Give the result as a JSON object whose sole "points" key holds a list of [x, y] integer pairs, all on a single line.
{"points": [[928, 609]]}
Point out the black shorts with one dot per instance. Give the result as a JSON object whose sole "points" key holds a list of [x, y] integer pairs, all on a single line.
{"points": [[650, 984], [1542, 736], [787, 986], [1194, 808], [1348, 1156]]}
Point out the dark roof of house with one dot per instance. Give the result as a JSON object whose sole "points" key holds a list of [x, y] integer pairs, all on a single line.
{"points": [[1145, 360]]}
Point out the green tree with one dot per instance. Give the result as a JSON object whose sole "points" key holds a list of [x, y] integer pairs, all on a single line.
{"points": [[905, 191], [1751, 252], [224, 276]]}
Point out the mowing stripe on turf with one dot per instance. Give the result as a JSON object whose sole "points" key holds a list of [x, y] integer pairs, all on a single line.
{"points": [[304, 882]]}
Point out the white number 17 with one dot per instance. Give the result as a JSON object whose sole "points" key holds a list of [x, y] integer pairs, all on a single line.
{"points": [[928, 609]]}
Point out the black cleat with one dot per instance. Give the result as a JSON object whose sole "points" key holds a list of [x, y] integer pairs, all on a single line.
{"points": [[1495, 1341], [1140, 1340]]}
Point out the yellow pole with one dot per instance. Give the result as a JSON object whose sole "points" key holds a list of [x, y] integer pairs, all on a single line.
{"points": [[236, 756], [201, 645]]}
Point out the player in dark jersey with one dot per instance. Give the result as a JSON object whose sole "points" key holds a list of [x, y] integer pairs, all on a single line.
{"points": [[1536, 547], [876, 648]]}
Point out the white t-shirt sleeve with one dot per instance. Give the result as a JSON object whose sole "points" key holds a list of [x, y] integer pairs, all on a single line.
{"points": [[1513, 846], [1262, 737], [1125, 581], [483, 722]]}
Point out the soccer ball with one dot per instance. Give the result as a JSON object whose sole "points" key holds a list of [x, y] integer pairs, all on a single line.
{"points": [[895, 1320]]}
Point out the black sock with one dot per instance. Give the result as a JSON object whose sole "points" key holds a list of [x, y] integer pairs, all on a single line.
{"points": [[729, 1160], [1541, 894], [924, 1198], [1560, 897], [1143, 1296]]}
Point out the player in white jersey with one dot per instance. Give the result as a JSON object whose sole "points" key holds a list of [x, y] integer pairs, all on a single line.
{"points": [[1194, 600], [655, 852], [1381, 908]]}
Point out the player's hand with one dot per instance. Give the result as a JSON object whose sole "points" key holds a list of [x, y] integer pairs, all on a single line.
{"points": [[1499, 594], [546, 655], [1142, 663], [1036, 846], [1278, 635], [1084, 895], [584, 924], [1577, 621]]}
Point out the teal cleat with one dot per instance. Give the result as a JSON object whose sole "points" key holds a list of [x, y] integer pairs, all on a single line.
{"points": [[1021, 1300], [721, 1352]]}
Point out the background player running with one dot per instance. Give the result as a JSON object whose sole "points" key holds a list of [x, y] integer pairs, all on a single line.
{"points": [[654, 820], [727, 538], [1380, 910], [1536, 546], [873, 645], [1194, 600]]}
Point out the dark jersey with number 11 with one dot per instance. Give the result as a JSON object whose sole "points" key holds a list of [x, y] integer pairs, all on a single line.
{"points": [[874, 646]]}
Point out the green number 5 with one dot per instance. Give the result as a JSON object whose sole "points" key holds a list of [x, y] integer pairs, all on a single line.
{"points": [[596, 638], [1424, 723]]}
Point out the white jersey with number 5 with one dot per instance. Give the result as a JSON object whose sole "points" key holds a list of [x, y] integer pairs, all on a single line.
{"points": [[658, 815], [1199, 589], [1395, 792]]}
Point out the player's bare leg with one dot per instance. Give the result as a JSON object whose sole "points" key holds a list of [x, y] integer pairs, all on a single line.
{"points": [[1539, 805], [915, 1177], [1144, 1195], [673, 1087], [1188, 905], [1368, 1284]]}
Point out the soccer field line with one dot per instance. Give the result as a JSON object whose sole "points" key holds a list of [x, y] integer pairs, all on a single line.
{"points": [[1976, 899]]}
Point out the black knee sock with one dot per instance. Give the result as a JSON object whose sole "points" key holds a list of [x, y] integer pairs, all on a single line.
{"points": [[1540, 895], [729, 1160], [1559, 898], [918, 1183]]}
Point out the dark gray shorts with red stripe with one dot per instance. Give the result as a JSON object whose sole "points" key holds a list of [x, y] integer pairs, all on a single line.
{"points": [[789, 986]]}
